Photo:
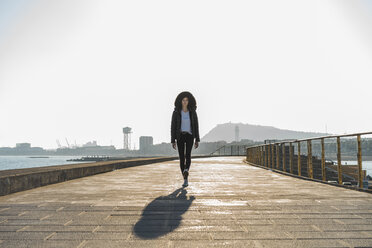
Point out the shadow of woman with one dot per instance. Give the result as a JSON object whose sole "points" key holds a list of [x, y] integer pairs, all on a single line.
{"points": [[163, 214]]}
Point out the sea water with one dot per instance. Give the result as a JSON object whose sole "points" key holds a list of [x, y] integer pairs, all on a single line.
{"points": [[19, 162]]}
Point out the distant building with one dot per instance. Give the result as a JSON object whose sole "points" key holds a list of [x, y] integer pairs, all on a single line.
{"points": [[23, 145], [145, 143], [90, 144], [268, 141]]}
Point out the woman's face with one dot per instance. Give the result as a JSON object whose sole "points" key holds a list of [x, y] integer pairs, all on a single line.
{"points": [[185, 102]]}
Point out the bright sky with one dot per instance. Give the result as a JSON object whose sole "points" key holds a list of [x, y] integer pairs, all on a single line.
{"points": [[83, 70]]}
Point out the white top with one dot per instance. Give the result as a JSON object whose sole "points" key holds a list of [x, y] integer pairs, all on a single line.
{"points": [[185, 122]]}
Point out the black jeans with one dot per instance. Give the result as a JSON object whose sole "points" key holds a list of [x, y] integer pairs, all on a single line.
{"points": [[189, 140]]}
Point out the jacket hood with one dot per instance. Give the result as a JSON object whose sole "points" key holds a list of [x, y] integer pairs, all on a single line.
{"points": [[178, 101]]}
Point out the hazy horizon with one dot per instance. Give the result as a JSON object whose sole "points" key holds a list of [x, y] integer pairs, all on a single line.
{"points": [[83, 70]]}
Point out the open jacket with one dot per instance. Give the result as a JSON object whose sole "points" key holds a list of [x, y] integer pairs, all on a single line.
{"points": [[176, 125]]}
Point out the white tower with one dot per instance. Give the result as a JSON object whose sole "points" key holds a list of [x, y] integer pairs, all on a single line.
{"points": [[237, 133], [127, 137]]}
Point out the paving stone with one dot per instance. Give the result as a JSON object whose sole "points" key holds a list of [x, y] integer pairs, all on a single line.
{"points": [[341, 227], [60, 228], [359, 242], [215, 243], [250, 235], [127, 243], [326, 243], [19, 243], [328, 235], [90, 235], [25, 235]]}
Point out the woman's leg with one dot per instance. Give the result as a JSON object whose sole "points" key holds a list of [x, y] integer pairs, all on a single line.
{"points": [[189, 143], [181, 151]]}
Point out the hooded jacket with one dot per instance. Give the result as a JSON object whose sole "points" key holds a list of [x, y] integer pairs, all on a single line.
{"points": [[176, 124]]}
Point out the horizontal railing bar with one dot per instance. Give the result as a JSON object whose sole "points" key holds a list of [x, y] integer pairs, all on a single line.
{"points": [[229, 146], [315, 138]]}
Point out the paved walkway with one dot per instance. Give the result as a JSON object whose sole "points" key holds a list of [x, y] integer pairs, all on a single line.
{"points": [[228, 203]]}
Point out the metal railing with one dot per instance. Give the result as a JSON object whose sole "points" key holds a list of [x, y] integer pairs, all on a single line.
{"points": [[230, 150], [280, 155]]}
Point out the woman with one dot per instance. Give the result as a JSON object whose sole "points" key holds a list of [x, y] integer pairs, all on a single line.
{"points": [[184, 128]]}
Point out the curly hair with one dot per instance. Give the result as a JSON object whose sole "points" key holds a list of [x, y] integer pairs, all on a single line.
{"points": [[192, 102]]}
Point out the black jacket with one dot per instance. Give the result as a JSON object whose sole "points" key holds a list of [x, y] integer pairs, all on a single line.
{"points": [[176, 125]]}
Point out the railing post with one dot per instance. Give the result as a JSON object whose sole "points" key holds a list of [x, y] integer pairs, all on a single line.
{"points": [[261, 156], [299, 158], [339, 168], [252, 155], [360, 175], [266, 156], [290, 158], [255, 155], [272, 157], [324, 177], [269, 156], [283, 154], [231, 150], [309, 160], [277, 156]]}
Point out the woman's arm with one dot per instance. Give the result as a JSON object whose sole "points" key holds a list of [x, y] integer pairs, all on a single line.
{"points": [[173, 127], [197, 138]]}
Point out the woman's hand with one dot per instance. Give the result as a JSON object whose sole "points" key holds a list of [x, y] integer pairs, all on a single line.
{"points": [[196, 144], [174, 146]]}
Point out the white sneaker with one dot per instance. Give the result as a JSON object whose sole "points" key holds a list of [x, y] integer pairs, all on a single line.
{"points": [[185, 173], [185, 183]]}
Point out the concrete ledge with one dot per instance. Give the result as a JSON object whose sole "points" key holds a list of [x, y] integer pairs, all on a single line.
{"points": [[309, 179], [16, 180]]}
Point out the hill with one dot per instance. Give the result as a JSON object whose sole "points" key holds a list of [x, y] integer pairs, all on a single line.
{"points": [[226, 132]]}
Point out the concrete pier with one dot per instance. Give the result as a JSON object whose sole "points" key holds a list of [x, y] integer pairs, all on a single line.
{"points": [[228, 203]]}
